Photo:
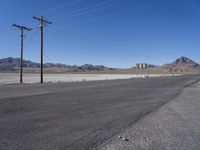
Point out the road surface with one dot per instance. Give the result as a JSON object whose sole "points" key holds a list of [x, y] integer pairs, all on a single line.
{"points": [[174, 126], [79, 115]]}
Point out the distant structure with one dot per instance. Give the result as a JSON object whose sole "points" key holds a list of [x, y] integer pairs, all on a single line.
{"points": [[142, 66]]}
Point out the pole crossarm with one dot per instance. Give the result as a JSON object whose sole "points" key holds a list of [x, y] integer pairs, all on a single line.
{"points": [[22, 27], [41, 20]]}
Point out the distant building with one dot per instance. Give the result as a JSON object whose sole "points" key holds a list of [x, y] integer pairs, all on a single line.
{"points": [[142, 66]]}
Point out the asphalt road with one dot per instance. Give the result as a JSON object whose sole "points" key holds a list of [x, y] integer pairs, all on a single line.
{"points": [[79, 115], [174, 126]]}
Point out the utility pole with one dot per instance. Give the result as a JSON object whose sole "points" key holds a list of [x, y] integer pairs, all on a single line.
{"points": [[42, 24], [22, 28]]}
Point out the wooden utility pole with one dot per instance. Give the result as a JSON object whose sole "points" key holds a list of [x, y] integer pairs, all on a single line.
{"points": [[42, 24], [22, 28]]}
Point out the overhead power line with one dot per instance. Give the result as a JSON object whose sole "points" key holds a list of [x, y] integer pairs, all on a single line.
{"points": [[9, 51], [91, 11], [64, 32], [117, 13], [61, 6], [62, 38], [81, 10]]}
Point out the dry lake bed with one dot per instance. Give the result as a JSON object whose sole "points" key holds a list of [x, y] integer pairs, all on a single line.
{"points": [[10, 78]]}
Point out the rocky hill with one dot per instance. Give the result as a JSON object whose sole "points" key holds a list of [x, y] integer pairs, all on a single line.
{"points": [[182, 64], [12, 64]]}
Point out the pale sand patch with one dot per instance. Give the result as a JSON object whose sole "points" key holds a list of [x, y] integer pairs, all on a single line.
{"points": [[9, 78]]}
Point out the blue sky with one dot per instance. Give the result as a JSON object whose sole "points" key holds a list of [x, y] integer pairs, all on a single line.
{"points": [[115, 33]]}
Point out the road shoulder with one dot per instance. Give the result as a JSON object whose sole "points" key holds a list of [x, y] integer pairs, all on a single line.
{"points": [[175, 125]]}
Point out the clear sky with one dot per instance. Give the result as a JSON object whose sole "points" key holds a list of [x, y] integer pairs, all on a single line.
{"points": [[115, 33]]}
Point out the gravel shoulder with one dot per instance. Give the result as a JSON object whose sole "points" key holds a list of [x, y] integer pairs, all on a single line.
{"points": [[175, 125]]}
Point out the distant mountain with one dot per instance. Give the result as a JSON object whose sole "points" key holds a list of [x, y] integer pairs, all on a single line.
{"points": [[13, 64], [152, 66], [182, 64], [184, 61]]}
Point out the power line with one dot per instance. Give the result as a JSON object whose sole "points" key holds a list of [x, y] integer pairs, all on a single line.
{"points": [[78, 44], [80, 10], [90, 11], [49, 58], [65, 35], [37, 46], [82, 38], [61, 6], [33, 42], [117, 13], [10, 51]]}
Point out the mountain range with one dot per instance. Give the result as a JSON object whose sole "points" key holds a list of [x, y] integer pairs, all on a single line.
{"points": [[180, 65], [13, 64]]}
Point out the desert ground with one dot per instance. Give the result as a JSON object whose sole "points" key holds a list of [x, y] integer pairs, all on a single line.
{"points": [[11, 78]]}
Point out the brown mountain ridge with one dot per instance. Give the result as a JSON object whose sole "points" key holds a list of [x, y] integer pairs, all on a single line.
{"points": [[180, 65]]}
